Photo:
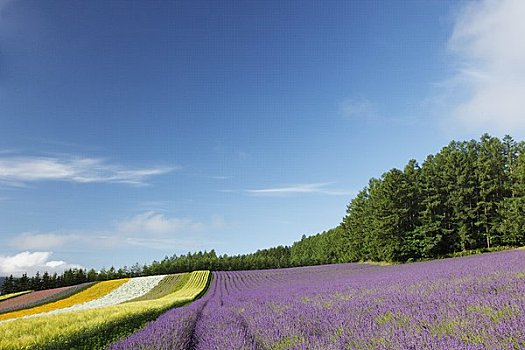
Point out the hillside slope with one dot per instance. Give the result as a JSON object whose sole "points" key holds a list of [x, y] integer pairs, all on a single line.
{"points": [[475, 302]]}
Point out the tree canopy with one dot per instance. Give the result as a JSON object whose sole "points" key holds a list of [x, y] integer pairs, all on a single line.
{"points": [[468, 196]]}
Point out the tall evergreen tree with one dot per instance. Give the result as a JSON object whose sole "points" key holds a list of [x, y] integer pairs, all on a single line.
{"points": [[512, 208], [356, 226], [492, 178]]}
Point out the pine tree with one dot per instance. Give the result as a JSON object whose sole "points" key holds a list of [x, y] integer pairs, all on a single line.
{"points": [[491, 176]]}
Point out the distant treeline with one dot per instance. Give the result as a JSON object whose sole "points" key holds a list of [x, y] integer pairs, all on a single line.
{"points": [[469, 196], [276, 257], [262, 259]]}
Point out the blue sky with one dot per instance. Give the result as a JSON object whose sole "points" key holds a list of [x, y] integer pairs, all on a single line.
{"points": [[132, 130]]}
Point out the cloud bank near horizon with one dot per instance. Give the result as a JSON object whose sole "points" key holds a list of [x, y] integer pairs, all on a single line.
{"points": [[31, 263]]}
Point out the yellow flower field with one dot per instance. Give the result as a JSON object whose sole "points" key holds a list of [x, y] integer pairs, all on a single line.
{"points": [[63, 331], [96, 291]]}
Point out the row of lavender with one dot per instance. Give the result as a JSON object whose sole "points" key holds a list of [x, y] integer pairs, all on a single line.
{"points": [[475, 302]]}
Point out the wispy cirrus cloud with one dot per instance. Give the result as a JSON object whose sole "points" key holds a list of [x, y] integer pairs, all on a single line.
{"points": [[359, 108], [21, 170], [311, 188], [486, 91]]}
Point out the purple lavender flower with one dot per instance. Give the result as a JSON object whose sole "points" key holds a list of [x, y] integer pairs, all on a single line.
{"points": [[475, 302]]}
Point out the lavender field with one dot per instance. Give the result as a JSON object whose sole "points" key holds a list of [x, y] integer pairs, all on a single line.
{"points": [[475, 302]]}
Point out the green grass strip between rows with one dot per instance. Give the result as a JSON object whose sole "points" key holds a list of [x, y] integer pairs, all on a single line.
{"points": [[169, 284]]}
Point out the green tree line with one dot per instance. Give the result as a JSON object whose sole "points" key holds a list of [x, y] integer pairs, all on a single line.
{"points": [[43, 281], [275, 257], [468, 196]]}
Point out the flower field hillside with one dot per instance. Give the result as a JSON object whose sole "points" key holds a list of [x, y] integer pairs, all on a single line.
{"points": [[13, 295], [94, 292], [33, 299], [475, 302], [104, 319]]}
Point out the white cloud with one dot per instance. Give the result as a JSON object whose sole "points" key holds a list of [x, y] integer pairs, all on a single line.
{"points": [[34, 241], [486, 93], [19, 171], [318, 188], [31, 262], [149, 229], [152, 223]]}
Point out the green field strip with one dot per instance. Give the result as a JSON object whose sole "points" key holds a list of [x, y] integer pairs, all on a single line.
{"points": [[13, 295], [169, 284]]}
